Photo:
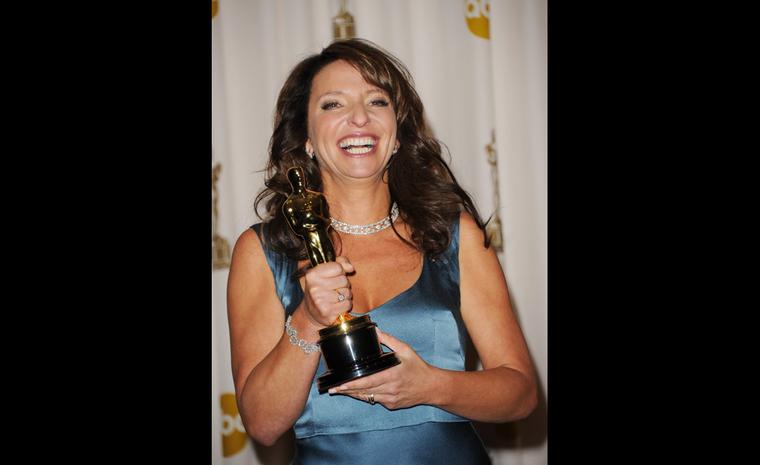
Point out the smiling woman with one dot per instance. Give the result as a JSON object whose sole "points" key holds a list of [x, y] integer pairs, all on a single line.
{"points": [[350, 118], [352, 125]]}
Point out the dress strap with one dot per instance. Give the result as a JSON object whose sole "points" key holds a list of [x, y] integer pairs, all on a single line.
{"points": [[288, 288]]}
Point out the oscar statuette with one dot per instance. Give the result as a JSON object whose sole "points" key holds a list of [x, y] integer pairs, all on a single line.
{"points": [[350, 345]]}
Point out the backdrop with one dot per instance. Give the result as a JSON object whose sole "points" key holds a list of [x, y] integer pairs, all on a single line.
{"points": [[480, 69]]}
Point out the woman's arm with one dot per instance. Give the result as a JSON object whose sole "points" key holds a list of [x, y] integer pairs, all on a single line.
{"points": [[505, 390], [273, 377]]}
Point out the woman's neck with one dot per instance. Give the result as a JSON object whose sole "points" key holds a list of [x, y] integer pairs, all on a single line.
{"points": [[357, 203]]}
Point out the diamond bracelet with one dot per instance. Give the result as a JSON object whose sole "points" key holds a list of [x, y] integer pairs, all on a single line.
{"points": [[307, 347]]}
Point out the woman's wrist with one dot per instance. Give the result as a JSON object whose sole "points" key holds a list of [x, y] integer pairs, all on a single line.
{"points": [[439, 386], [302, 322]]}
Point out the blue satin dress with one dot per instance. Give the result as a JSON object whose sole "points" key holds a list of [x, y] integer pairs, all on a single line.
{"points": [[338, 429]]}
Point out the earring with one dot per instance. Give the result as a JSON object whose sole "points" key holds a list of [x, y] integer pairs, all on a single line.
{"points": [[396, 148], [310, 154]]}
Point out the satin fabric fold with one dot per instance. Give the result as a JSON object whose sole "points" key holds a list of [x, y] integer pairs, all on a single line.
{"points": [[424, 444]]}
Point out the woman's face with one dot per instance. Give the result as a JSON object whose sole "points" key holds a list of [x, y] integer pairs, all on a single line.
{"points": [[352, 124]]}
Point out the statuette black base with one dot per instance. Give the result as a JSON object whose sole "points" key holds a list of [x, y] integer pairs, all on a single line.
{"points": [[352, 350]]}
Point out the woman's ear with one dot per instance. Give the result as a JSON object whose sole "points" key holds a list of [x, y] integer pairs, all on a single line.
{"points": [[309, 149]]}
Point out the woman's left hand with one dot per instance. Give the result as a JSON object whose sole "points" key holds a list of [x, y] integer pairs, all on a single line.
{"points": [[403, 385]]}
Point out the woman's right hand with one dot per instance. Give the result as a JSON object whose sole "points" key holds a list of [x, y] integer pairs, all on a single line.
{"points": [[323, 285]]}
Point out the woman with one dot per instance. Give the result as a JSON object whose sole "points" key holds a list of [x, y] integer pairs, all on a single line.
{"points": [[351, 119]]}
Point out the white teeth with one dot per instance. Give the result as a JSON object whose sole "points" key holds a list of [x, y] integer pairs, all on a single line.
{"points": [[358, 150], [357, 141]]}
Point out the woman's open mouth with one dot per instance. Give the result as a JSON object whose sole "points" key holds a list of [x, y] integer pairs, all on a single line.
{"points": [[357, 146]]}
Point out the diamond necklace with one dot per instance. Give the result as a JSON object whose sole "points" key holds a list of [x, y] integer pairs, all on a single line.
{"points": [[365, 229]]}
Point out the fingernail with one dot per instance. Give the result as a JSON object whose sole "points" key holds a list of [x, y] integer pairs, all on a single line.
{"points": [[332, 391]]}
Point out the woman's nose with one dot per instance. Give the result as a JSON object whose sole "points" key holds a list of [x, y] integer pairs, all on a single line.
{"points": [[359, 116]]}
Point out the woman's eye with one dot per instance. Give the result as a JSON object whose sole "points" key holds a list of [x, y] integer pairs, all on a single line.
{"points": [[329, 105], [380, 102]]}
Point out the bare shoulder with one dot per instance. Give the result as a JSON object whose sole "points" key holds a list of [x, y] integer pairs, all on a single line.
{"points": [[479, 265], [248, 254], [471, 237], [248, 246], [249, 272]]}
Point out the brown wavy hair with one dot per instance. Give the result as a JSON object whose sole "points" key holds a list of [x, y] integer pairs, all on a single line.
{"points": [[428, 195]]}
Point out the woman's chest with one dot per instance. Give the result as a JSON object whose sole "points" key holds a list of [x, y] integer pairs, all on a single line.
{"points": [[384, 270]]}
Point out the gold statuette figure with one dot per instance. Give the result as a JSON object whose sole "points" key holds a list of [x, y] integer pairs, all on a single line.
{"points": [[306, 211], [350, 345]]}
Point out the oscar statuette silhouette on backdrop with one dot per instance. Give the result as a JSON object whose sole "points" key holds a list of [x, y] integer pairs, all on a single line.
{"points": [[350, 345]]}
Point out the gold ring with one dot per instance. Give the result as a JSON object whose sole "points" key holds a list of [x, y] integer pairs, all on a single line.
{"points": [[371, 399]]}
